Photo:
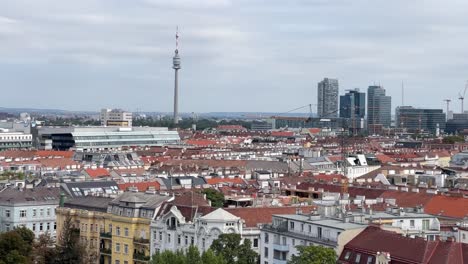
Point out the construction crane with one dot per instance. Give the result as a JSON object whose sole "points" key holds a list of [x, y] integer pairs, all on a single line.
{"points": [[462, 97]]}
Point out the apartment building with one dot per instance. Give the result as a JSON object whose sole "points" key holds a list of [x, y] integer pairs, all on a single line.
{"points": [[31, 208]]}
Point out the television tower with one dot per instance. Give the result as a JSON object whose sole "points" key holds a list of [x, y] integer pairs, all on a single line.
{"points": [[176, 67]]}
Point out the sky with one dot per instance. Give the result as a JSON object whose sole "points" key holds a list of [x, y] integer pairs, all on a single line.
{"points": [[237, 55]]}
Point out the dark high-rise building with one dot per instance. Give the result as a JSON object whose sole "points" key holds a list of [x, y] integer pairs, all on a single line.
{"points": [[379, 109], [353, 104], [419, 119], [327, 98], [353, 108]]}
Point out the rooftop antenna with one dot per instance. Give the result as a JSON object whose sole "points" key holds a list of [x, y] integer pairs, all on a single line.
{"points": [[176, 67]]}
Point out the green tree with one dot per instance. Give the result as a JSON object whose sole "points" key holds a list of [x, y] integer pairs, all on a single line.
{"points": [[216, 197], [16, 245], [233, 251], [314, 255], [169, 257], [209, 257], [69, 248], [44, 249], [193, 255]]}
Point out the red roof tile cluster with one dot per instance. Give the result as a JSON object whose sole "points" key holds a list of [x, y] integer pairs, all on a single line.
{"points": [[231, 127], [98, 173], [456, 207], [141, 186], [282, 133], [401, 249], [202, 142]]}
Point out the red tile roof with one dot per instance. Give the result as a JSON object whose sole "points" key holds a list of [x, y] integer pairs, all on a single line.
{"points": [[456, 207], [401, 249], [97, 173], [141, 186], [282, 133]]}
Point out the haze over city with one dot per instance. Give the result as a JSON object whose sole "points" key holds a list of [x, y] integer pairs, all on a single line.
{"points": [[237, 55]]}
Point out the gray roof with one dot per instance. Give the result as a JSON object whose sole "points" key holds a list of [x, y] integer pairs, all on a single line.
{"points": [[79, 189], [146, 200], [34, 196], [267, 165], [91, 203]]}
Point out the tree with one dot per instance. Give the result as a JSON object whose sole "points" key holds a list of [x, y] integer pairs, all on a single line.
{"points": [[193, 255], [44, 249], [216, 197], [69, 248], [314, 255], [233, 251], [16, 245], [169, 257], [209, 257]]}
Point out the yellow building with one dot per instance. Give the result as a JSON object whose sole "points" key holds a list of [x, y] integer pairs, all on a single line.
{"points": [[116, 230]]}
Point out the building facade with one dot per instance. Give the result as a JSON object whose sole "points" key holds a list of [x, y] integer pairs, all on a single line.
{"points": [[327, 98], [280, 239], [420, 119], [378, 109], [353, 107], [15, 140], [31, 208], [116, 117], [103, 138]]}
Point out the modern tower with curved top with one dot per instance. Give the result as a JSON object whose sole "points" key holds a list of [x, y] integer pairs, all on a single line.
{"points": [[176, 67]]}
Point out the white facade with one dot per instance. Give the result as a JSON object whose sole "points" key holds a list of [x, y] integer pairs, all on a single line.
{"points": [[279, 240], [116, 117], [38, 218], [15, 140], [171, 232]]}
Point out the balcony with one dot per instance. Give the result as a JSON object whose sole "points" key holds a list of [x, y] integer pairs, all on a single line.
{"points": [[279, 247], [279, 261], [141, 241], [106, 251], [303, 236], [140, 257], [107, 235]]}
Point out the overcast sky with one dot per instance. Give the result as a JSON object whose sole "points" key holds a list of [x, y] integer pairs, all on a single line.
{"points": [[237, 55]]}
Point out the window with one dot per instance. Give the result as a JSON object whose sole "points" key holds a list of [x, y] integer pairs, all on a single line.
{"points": [[48, 211], [33, 227], [266, 237], [125, 249], [117, 261], [255, 243], [265, 252], [293, 242], [7, 227], [23, 213], [203, 243], [347, 255], [126, 231], [155, 235], [302, 227], [358, 258], [291, 225], [41, 227], [463, 236], [48, 226], [168, 238], [117, 247], [41, 212], [160, 236], [55, 225], [310, 229], [370, 260], [117, 230], [284, 241], [192, 240], [110, 228], [186, 240], [34, 212], [425, 224], [7, 213], [412, 223], [178, 239], [319, 232]]}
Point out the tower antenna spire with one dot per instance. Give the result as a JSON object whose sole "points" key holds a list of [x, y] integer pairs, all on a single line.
{"points": [[176, 67]]}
